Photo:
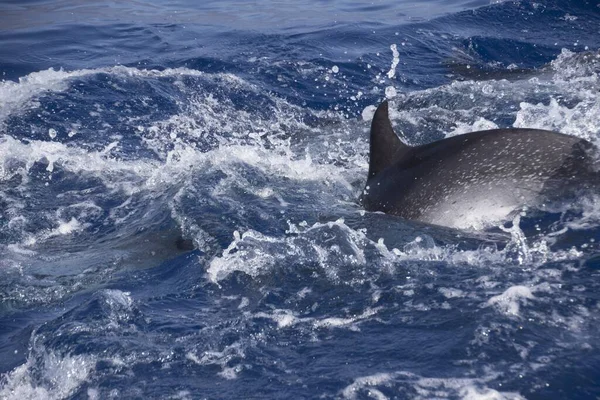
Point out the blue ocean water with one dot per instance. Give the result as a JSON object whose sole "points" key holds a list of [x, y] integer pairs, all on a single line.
{"points": [[179, 214]]}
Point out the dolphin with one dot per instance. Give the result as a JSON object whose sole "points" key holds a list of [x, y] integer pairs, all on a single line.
{"points": [[477, 179]]}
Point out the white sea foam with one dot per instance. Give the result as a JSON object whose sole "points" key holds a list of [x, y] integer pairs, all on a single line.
{"points": [[66, 228], [390, 92], [590, 218], [226, 359], [451, 293], [568, 93], [170, 139], [359, 384], [509, 302], [481, 124], [56, 377], [256, 254], [118, 300], [287, 318], [475, 393], [283, 318], [395, 61], [409, 385], [575, 121], [348, 322], [76, 160], [17, 96], [368, 112]]}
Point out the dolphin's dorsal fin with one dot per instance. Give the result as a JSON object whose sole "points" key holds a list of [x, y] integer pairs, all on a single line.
{"points": [[386, 148]]}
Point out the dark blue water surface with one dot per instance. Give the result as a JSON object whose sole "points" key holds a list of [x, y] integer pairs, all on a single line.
{"points": [[179, 215]]}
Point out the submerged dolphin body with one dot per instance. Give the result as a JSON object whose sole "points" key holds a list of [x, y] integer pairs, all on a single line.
{"points": [[476, 179]]}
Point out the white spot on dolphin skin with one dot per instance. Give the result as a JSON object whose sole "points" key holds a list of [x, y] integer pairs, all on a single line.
{"points": [[472, 207], [335, 69], [52, 133]]}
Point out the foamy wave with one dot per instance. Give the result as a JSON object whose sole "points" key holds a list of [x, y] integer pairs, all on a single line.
{"points": [[17, 158], [566, 100], [15, 96], [227, 359], [47, 376], [257, 254], [287, 318], [570, 66], [508, 302], [580, 120], [205, 135], [382, 386]]}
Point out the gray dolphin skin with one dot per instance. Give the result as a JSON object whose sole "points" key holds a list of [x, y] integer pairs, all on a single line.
{"points": [[476, 179]]}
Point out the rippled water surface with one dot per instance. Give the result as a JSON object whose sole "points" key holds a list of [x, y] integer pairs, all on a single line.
{"points": [[179, 214]]}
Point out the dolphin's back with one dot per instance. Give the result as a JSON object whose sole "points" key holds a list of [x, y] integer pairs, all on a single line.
{"points": [[478, 177]]}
